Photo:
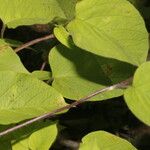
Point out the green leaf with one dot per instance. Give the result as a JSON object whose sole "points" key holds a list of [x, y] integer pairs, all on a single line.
{"points": [[137, 96], [101, 140], [43, 138], [9, 60], [68, 7], [77, 73], [21, 144], [28, 12], [110, 28], [42, 75], [23, 96], [62, 35]]}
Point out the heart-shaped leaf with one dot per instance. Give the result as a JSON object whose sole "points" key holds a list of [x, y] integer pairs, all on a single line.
{"points": [[40, 138], [137, 96], [110, 28], [43, 138], [77, 73]]}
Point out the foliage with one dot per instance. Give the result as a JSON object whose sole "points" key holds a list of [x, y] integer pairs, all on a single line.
{"points": [[137, 96], [101, 43], [102, 140], [38, 139]]}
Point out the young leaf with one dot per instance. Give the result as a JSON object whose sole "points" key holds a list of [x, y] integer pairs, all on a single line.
{"points": [[21, 144], [62, 35], [137, 96], [28, 12], [42, 75], [9, 60], [110, 28], [77, 73], [101, 140], [43, 138], [23, 96]]}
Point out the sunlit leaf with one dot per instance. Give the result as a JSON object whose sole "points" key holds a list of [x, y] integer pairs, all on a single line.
{"points": [[110, 28], [9, 60], [40, 139], [42, 75], [43, 138], [101, 140], [62, 35], [137, 96], [27, 12], [23, 96]]}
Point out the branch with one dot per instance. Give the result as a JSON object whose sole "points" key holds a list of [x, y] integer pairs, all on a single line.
{"points": [[51, 36], [3, 30], [123, 84], [43, 66]]}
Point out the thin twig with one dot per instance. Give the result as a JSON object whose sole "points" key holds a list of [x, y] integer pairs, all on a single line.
{"points": [[51, 36], [3, 30], [123, 84], [43, 65]]}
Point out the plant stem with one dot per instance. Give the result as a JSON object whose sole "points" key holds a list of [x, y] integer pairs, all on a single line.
{"points": [[43, 66], [51, 36], [123, 84], [3, 30]]}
